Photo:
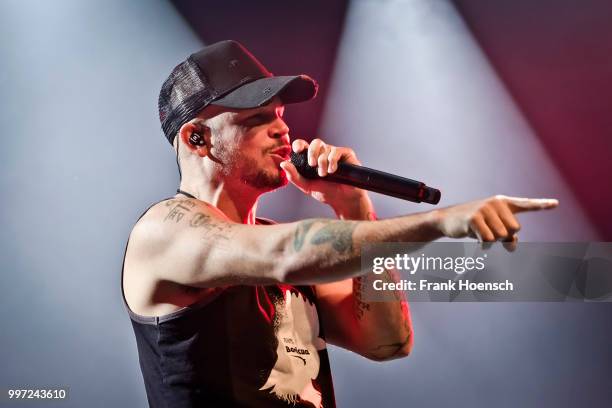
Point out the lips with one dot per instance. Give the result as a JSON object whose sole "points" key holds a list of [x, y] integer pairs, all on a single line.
{"points": [[284, 152]]}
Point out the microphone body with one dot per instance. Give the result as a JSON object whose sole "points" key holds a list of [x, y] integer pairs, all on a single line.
{"points": [[371, 180]]}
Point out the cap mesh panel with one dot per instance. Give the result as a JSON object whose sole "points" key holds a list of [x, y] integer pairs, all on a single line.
{"points": [[182, 96]]}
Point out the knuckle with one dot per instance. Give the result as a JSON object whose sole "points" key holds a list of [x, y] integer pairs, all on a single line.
{"points": [[485, 209], [475, 218], [487, 236], [512, 225], [494, 202], [511, 230]]}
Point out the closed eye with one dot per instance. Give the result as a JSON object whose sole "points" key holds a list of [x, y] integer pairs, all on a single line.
{"points": [[258, 119]]}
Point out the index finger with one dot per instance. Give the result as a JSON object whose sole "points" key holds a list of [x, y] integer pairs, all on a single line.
{"points": [[518, 204], [298, 145]]}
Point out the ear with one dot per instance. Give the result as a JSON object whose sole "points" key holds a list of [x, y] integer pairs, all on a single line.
{"points": [[187, 130]]}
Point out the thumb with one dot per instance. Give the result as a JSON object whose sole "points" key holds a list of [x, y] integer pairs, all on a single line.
{"points": [[294, 177]]}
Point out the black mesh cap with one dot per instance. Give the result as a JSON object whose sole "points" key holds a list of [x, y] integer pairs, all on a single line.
{"points": [[224, 74]]}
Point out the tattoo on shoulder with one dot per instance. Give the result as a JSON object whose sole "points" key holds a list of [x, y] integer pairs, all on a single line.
{"points": [[178, 209], [212, 228], [199, 219]]}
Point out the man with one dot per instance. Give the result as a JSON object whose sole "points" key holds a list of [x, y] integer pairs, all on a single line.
{"points": [[232, 310]]}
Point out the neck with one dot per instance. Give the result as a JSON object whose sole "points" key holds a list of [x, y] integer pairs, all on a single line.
{"points": [[238, 203]]}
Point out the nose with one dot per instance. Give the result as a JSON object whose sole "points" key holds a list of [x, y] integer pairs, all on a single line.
{"points": [[280, 130]]}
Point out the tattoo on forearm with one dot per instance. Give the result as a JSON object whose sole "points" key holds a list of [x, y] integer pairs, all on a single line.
{"points": [[360, 305], [300, 234], [390, 276], [338, 233]]}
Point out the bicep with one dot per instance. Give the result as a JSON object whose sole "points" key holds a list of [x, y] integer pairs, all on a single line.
{"points": [[202, 249]]}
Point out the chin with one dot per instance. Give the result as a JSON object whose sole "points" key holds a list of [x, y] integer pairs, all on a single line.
{"points": [[266, 180], [279, 181], [283, 178]]}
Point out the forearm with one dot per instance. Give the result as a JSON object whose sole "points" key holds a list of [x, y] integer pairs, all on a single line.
{"points": [[330, 250], [384, 328]]}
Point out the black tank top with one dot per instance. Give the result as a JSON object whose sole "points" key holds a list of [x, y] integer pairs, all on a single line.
{"points": [[247, 346]]}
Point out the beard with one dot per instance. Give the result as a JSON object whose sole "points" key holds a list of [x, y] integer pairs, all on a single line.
{"points": [[261, 178], [256, 174]]}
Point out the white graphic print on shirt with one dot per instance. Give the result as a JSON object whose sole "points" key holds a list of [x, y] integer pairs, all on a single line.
{"points": [[297, 363]]}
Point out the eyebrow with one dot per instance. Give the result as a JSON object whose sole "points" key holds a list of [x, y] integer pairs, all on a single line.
{"points": [[266, 114]]}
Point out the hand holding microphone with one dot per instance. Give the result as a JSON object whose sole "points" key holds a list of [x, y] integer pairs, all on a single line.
{"points": [[340, 165]]}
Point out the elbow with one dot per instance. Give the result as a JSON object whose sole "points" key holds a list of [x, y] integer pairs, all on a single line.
{"points": [[390, 352], [401, 353], [379, 358]]}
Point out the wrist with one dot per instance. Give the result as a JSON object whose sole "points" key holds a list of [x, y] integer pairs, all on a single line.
{"points": [[433, 223], [357, 207]]}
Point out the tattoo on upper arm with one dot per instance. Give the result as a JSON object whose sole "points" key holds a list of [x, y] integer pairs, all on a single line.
{"points": [[218, 231]]}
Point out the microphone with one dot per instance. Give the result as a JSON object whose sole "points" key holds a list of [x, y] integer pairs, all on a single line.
{"points": [[370, 179]]}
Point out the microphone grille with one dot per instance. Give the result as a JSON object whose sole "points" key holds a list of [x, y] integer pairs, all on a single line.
{"points": [[300, 161]]}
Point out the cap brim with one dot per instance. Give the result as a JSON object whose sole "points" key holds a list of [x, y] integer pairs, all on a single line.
{"points": [[291, 89]]}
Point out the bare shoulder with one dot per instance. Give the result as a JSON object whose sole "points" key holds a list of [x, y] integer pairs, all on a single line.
{"points": [[151, 259], [161, 222]]}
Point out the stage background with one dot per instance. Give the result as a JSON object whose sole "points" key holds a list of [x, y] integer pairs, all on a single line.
{"points": [[432, 90]]}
